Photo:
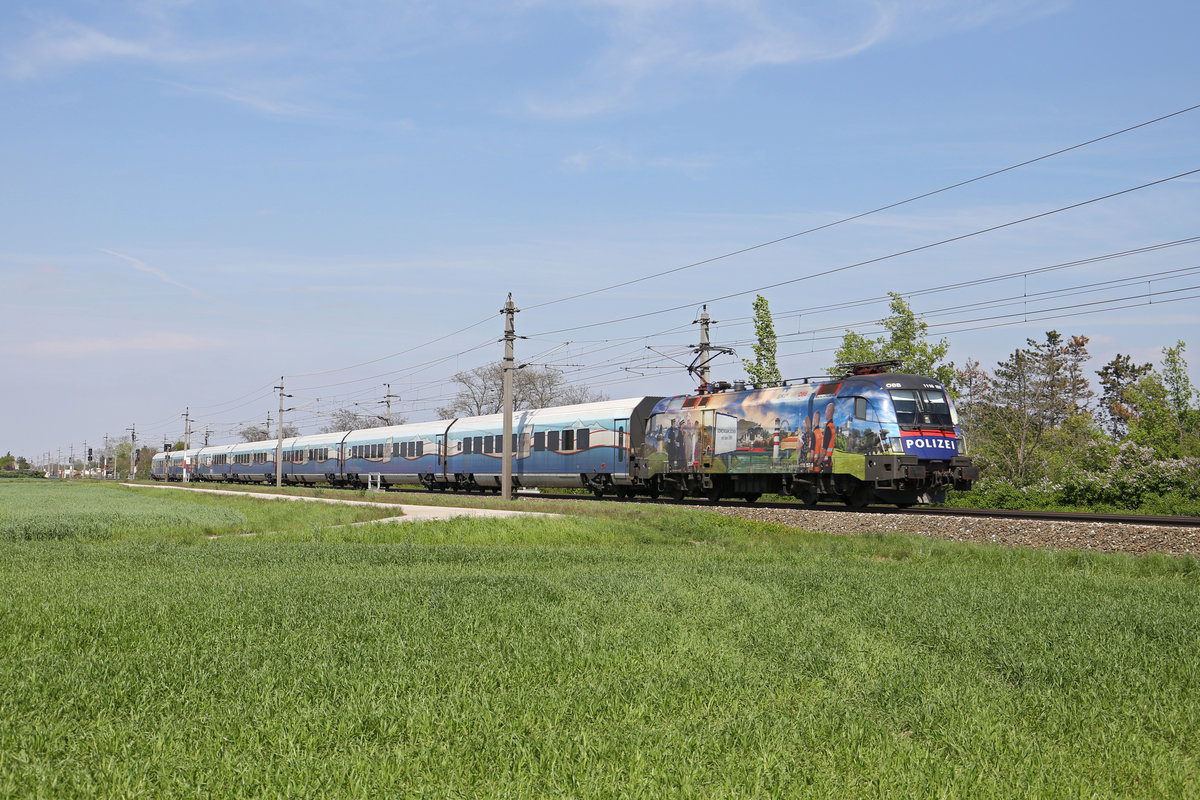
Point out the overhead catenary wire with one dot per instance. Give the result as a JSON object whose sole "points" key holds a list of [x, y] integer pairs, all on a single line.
{"points": [[863, 214], [876, 260]]}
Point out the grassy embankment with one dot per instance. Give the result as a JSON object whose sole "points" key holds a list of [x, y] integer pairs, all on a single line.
{"points": [[626, 650]]}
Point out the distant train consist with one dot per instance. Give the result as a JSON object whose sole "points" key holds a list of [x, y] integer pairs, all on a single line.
{"points": [[869, 436]]}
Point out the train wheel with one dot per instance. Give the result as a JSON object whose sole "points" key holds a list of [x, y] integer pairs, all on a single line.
{"points": [[751, 497], [858, 497], [713, 495], [677, 492], [808, 496]]}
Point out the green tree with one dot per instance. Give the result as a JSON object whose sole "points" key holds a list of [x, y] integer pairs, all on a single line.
{"points": [[1162, 412], [1030, 417], [8, 461], [145, 456], [1116, 378], [905, 342], [763, 370], [121, 458], [971, 387]]}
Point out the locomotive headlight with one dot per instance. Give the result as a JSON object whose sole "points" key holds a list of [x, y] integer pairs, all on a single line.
{"points": [[962, 446]]}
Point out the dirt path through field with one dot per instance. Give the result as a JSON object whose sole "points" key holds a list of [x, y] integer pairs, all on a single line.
{"points": [[411, 513]]}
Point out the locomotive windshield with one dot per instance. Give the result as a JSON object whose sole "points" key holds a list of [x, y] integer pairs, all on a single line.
{"points": [[922, 407]]}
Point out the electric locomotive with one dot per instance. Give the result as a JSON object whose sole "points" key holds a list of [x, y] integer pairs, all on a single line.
{"points": [[870, 435]]}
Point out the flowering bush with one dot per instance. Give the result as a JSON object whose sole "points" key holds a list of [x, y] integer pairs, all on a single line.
{"points": [[1134, 479], [1134, 476]]}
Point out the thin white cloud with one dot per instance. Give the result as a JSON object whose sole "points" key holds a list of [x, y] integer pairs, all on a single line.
{"points": [[271, 100], [161, 342], [658, 49], [149, 270], [63, 45], [612, 157]]}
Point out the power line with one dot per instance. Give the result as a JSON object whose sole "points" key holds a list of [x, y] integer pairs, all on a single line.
{"points": [[974, 282], [878, 259], [854, 217]]}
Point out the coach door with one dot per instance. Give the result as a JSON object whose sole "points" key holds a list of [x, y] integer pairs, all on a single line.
{"points": [[621, 428]]}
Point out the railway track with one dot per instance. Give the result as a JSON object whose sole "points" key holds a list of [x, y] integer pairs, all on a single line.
{"points": [[939, 511]]}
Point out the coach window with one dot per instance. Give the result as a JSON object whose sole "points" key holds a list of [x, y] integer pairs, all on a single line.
{"points": [[539, 441], [568, 439], [420, 448], [551, 440], [488, 445], [478, 445], [583, 438]]}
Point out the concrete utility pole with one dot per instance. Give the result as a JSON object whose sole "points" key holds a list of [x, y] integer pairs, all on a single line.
{"points": [[704, 348], [387, 399], [187, 438], [279, 443], [132, 449], [509, 311]]}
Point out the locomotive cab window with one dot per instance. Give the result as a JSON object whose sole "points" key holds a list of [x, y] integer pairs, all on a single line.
{"points": [[921, 407], [860, 408]]}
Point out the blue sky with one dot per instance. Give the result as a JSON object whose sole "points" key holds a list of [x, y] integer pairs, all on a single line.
{"points": [[200, 196]]}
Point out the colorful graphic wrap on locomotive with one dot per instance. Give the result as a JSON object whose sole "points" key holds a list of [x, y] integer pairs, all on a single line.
{"points": [[803, 428]]}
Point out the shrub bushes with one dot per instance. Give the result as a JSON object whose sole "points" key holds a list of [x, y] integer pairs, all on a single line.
{"points": [[1134, 480]]}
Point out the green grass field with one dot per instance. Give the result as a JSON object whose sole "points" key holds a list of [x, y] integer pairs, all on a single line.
{"points": [[623, 651], [86, 511]]}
